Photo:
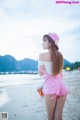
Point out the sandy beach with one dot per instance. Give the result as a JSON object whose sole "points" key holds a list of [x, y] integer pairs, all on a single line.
{"points": [[22, 102]]}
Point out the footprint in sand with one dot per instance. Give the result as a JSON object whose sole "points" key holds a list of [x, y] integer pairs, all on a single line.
{"points": [[25, 106]]}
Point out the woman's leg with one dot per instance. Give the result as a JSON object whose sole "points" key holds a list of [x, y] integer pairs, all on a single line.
{"points": [[50, 106], [59, 107]]}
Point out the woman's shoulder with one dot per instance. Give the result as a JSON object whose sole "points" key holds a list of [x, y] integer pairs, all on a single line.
{"points": [[45, 56], [41, 55]]}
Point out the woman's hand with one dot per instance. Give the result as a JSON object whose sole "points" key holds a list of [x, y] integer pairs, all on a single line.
{"points": [[41, 70]]}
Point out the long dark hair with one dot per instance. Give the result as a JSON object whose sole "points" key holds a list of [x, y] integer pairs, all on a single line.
{"points": [[56, 57]]}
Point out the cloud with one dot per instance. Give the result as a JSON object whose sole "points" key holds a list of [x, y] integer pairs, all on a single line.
{"points": [[24, 20], [70, 44]]}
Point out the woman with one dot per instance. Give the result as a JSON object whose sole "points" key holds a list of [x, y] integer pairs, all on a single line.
{"points": [[50, 65]]}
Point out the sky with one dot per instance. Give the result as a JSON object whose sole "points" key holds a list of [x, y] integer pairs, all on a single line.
{"points": [[24, 22]]}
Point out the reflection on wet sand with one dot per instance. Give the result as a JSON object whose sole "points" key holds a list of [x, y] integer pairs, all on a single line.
{"points": [[3, 97]]}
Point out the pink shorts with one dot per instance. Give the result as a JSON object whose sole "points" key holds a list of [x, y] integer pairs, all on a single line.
{"points": [[54, 85]]}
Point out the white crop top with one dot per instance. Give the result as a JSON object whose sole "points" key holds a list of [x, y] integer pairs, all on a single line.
{"points": [[47, 65]]}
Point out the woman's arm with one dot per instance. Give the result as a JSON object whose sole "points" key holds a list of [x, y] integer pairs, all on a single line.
{"points": [[41, 67], [41, 70]]}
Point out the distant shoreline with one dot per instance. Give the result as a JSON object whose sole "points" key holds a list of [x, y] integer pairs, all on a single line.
{"points": [[7, 73], [31, 72]]}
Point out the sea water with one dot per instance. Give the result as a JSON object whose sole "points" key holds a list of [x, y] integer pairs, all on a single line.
{"points": [[12, 80], [28, 79], [19, 79]]}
